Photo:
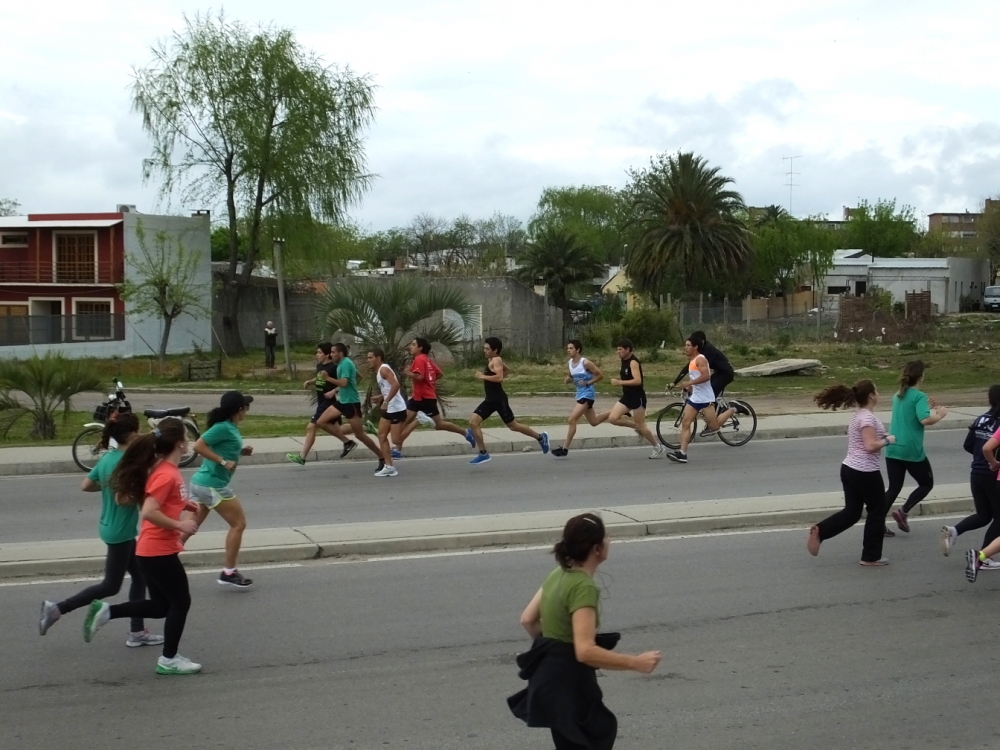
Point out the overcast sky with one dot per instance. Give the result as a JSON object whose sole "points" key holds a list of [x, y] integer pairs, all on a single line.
{"points": [[483, 104]]}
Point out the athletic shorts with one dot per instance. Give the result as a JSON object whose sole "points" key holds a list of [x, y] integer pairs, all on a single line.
{"points": [[501, 408], [588, 401], [210, 496], [350, 411], [697, 405], [633, 402], [428, 406], [322, 405], [394, 417]]}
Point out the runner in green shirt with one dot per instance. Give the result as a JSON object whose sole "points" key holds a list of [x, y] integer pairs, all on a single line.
{"points": [[348, 404]]}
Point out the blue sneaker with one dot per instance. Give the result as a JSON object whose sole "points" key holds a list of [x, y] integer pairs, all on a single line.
{"points": [[543, 439], [396, 454], [480, 459], [469, 437]]}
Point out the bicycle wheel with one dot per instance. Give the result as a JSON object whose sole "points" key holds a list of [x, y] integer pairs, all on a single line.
{"points": [[192, 435], [668, 424], [87, 450], [739, 428]]}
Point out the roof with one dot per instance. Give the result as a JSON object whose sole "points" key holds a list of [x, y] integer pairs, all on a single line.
{"points": [[30, 222]]}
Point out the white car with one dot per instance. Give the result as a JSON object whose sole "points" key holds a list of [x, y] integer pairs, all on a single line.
{"points": [[991, 298]]}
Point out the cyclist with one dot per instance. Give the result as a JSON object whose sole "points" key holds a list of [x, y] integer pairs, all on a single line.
{"points": [[722, 371]]}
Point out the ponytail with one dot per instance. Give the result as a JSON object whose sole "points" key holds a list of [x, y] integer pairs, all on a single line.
{"points": [[581, 534], [912, 373], [994, 397], [839, 396], [129, 478], [119, 429]]}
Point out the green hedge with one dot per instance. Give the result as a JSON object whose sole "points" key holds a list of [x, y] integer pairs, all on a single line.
{"points": [[645, 327]]}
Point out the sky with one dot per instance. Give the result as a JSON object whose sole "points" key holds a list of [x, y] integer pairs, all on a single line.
{"points": [[482, 105]]}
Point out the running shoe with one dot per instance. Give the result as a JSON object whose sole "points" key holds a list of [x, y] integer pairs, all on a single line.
{"points": [[178, 665], [295, 458], [888, 533], [480, 459], [948, 538], [972, 565], [396, 454], [348, 447], [875, 563], [989, 564], [708, 432], [381, 464], [901, 521], [234, 579], [469, 437], [50, 613], [677, 457], [658, 451], [98, 614], [560, 452], [739, 408], [388, 471], [143, 638], [543, 440], [424, 419]]}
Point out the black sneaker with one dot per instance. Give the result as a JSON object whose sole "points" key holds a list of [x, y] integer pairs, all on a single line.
{"points": [[236, 579], [348, 447], [560, 452], [677, 457], [740, 408]]}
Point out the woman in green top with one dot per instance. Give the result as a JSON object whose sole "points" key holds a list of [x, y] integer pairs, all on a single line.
{"points": [[220, 447], [118, 528], [911, 412], [562, 618]]}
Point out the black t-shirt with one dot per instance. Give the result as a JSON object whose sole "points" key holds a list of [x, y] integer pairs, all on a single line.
{"points": [[323, 386], [270, 339], [717, 363], [979, 433], [626, 374]]}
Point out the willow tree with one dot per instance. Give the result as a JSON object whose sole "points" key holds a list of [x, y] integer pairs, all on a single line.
{"points": [[250, 119]]}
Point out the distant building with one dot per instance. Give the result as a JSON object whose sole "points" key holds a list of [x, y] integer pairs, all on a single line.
{"points": [[962, 225]]}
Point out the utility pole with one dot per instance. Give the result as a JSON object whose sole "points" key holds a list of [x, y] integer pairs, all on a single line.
{"points": [[791, 174], [279, 245]]}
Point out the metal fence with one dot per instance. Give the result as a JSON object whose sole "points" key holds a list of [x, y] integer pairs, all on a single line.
{"points": [[21, 330]]}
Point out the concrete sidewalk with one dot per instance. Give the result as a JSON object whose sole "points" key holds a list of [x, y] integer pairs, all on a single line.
{"points": [[425, 442], [86, 556]]}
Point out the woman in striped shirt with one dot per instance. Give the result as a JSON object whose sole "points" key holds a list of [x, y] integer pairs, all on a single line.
{"points": [[860, 472]]}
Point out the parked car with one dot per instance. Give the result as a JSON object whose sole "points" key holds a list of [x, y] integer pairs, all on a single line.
{"points": [[991, 298]]}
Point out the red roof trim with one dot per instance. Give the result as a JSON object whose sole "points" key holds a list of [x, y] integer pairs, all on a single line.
{"points": [[75, 217]]}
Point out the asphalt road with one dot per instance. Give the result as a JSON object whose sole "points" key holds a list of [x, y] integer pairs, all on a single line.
{"points": [[42, 508], [763, 647]]}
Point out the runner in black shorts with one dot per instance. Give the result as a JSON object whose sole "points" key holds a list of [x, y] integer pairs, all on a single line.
{"points": [[496, 403], [326, 393], [722, 371], [633, 398], [425, 373]]}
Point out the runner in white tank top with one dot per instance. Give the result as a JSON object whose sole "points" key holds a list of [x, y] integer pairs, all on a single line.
{"points": [[393, 409], [584, 374]]}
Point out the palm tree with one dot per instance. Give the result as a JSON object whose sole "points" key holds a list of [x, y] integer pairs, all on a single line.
{"points": [[388, 314], [687, 217], [768, 215], [558, 259], [50, 382]]}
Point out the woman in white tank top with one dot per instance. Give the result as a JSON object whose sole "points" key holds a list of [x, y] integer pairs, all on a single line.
{"points": [[393, 409]]}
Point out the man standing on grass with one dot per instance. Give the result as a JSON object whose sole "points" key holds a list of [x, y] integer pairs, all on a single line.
{"points": [[270, 342], [496, 403]]}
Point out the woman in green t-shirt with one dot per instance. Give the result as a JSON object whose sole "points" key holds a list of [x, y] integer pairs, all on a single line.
{"points": [[560, 668], [911, 412], [118, 528]]}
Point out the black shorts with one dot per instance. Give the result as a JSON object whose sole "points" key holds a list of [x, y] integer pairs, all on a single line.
{"points": [[501, 408], [428, 406], [588, 401], [633, 401], [350, 411], [321, 406], [719, 382], [394, 417]]}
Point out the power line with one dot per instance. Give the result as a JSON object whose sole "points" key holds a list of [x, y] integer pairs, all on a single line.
{"points": [[791, 174]]}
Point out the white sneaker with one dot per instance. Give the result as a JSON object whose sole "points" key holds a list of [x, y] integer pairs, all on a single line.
{"points": [[424, 419], [989, 564], [50, 613], [178, 665], [388, 471], [659, 451], [948, 538], [143, 638]]}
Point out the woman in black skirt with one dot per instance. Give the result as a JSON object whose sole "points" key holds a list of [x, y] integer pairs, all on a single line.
{"points": [[560, 668]]}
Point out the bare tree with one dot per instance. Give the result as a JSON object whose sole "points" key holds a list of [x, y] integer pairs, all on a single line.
{"points": [[9, 207]]}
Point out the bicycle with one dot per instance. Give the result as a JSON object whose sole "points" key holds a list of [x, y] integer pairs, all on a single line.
{"points": [[738, 430], [87, 450]]}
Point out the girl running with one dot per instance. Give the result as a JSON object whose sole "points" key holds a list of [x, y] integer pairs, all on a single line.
{"points": [[562, 620], [221, 447], [147, 476], [117, 528], [584, 374], [393, 412], [424, 400], [911, 412], [859, 473], [985, 488], [976, 560]]}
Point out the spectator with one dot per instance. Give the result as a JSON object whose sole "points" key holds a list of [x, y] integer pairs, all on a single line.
{"points": [[270, 341]]}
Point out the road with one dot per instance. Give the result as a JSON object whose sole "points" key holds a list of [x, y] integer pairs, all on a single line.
{"points": [[41, 508], [763, 647]]}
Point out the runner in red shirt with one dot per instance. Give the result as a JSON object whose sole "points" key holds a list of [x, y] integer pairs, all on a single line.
{"points": [[424, 373]]}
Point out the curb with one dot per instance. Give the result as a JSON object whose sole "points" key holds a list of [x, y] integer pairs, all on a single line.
{"points": [[619, 527]]}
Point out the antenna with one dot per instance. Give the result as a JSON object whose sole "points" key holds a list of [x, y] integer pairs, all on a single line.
{"points": [[791, 174]]}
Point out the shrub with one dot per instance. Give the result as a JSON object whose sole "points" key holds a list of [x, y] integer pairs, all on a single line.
{"points": [[742, 349], [647, 327], [768, 351], [784, 340], [910, 346], [596, 337]]}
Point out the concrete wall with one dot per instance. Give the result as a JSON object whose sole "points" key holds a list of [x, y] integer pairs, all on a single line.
{"points": [[259, 304]]}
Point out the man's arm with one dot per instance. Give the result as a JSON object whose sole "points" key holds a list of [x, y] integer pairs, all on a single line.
{"points": [[496, 364]]}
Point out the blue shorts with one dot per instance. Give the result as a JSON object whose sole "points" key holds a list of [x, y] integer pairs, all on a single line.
{"points": [[696, 405], [322, 405]]}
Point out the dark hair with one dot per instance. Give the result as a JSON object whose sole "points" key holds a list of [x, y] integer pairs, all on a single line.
{"points": [[994, 397], [119, 429], [700, 334], [423, 345], [129, 478], [835, 396], [581, 534], [697, 340], [325, 346], [377, 352], [495, 344], [625, 344], [342, 348], [576, 343], [229, 406], [911, 374]]}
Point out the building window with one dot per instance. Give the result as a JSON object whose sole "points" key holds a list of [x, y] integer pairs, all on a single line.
{"points": [[13, 239], [836, 290], [76, 259], [92, 319]]}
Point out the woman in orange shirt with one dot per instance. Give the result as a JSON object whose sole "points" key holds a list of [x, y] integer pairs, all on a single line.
{"points": [[148, 476]]}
